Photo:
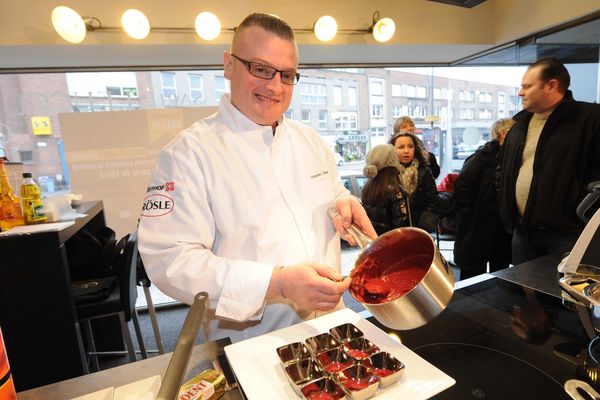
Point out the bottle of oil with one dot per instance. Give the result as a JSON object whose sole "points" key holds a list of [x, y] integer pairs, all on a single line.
{"points": [[7, 388], [33, 207], [10, 205]]}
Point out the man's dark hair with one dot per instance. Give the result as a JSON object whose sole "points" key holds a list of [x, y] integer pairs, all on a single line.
{"points": [[551, 68], [269, 23]]}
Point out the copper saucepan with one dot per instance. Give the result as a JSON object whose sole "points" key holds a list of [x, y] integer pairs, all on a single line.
{"points": [[400, 278]]}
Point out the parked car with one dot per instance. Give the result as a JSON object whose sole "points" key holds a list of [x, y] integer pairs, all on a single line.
{"points": [[339, 160], [354, 181]]}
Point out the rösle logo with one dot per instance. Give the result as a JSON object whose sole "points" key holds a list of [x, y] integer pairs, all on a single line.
{"points": [[157, 205]]}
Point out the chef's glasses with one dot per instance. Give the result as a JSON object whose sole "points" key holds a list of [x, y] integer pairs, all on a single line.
{"points": [[263, 71]]}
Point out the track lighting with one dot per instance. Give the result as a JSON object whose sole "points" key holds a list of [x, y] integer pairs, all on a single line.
{"points": [[325, 28], [207, 25], [72, 27], [68, 24], [383, 29], [135, 23]]}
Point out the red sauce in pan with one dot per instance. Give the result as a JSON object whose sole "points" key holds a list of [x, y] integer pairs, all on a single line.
{"points": [[392, 266]]}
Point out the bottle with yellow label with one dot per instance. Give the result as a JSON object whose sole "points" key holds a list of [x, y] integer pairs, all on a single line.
{"points": [[33, 207], [10, 205], [7, 388]]}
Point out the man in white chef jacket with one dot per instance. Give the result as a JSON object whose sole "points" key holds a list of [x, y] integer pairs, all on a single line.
{"points": [[238, 203]]}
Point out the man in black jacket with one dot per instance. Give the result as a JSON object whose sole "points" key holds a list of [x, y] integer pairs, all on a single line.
{"points": [[550, 156]]}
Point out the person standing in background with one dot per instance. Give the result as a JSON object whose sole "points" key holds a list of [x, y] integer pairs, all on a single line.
{"points": [[480, 236], [417, 181], [406, 124], [383, 197], [550, 156], [244, 198]]}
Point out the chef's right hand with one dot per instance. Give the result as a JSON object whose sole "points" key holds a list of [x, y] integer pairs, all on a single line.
{"points": [[311, 286]]}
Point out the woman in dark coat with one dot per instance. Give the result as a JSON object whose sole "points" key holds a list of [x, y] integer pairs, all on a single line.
{"points": [[417, 180], [480, 236], [382, 195]]}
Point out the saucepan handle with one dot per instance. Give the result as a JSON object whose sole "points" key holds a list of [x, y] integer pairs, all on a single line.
{"points": [[361, 238], [573, 386], [567, 284]]}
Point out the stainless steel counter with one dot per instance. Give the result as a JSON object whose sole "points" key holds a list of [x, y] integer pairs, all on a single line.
{"points": [[202, 358]]}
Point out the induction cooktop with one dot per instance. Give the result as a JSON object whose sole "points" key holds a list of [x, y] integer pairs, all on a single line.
{"points": [[500, 340]]}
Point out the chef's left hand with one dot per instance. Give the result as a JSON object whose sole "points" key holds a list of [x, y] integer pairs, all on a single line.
{"points": [[351, 211]]}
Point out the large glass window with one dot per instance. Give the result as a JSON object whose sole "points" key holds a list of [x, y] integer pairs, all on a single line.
{"points": [[41, 114]]}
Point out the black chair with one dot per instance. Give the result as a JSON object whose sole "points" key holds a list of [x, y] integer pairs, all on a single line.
{"points": [[121, 302], [144, 281]]}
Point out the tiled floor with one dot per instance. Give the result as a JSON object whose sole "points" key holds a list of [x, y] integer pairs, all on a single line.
{"points": [[348, 258]]}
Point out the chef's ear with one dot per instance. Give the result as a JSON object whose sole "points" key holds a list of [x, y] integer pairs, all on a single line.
{"points": [[227, 64]]}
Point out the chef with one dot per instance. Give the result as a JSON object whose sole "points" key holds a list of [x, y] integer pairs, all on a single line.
{"points": [[238, 203]]}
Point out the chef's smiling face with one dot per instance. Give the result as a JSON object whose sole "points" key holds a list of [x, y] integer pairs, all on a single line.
{"points": [[262, 100]]}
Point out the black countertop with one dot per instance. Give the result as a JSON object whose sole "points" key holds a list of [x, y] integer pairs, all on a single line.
{"points": [[506, 338]]}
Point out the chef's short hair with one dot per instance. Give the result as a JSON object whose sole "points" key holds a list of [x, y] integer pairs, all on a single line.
{"points": [[269, 23]]}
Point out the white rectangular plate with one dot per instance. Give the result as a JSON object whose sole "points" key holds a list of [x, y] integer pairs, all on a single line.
{"points": [[259, 372]]}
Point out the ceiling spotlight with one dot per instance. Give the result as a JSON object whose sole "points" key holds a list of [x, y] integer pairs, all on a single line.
{"points": [[383, 29], [325, 28], [207, 25], [135, 23], [68, 24]]}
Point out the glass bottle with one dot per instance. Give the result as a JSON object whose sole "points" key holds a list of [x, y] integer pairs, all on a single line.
{"points": [[33, 207], [10, 205], [7, 387]]}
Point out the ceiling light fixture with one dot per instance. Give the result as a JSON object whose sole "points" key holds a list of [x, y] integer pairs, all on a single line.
{"points": [[72, 27], [382, 28], [135, 23], [68, 24], [207, 25], [325, 28]]}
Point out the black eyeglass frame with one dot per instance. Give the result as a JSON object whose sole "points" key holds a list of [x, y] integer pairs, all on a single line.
{"points": [[248, 65]]}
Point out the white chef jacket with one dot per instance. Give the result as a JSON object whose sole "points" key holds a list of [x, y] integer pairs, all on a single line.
{"points": [[227, 202]]}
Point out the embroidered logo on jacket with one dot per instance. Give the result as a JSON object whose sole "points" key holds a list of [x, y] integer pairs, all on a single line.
{"points": [[157, 205]]}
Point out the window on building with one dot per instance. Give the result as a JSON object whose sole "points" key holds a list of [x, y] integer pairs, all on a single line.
{"points": [[345, 120], [437, 93], [311, 93], [378, 131], [377, 111], [485, 97], [397, 111], [322, 120], [352, 97], [411, 91], [196, 88], [376, 88], [306, 116], [421, 92], [396, 90], [501, 98], [221, 87], [337, 95], [485, 114], [466, 113], [26, 156], [289, 113], [168, 85]]}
